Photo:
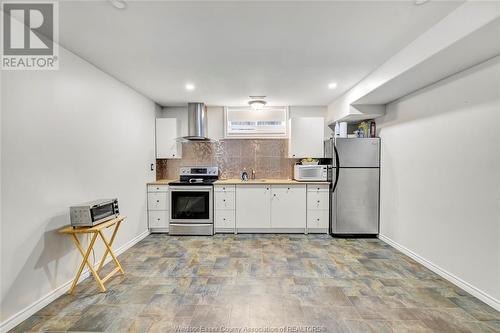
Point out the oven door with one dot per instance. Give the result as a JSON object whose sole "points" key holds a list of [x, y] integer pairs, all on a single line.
{"points": [[191, 204], [102, 213]]}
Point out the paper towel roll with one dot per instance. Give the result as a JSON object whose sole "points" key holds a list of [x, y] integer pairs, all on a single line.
{"points": [[342, 130]]}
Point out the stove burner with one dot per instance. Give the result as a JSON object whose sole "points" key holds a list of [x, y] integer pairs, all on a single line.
{"points": [[197, 176]]}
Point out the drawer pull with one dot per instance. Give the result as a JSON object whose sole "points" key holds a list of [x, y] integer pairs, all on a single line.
{"points": [[317, 219], [158, 219], [224, 200], [318, 201], [223, 218], [157, 200]]}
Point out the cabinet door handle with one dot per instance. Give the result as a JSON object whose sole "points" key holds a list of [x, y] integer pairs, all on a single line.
{"points": [[157, 200], [318, 201], [317, 220], [224, 200]]}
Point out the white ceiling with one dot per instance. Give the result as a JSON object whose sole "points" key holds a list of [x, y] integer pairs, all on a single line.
{"points": [[286, 50]]}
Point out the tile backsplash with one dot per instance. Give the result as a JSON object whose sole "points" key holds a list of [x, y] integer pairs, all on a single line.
{"points": [[268, 157]]}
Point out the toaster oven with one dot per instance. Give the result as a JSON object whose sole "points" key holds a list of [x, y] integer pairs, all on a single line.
{"points": [[310, 172], [92, 213]]}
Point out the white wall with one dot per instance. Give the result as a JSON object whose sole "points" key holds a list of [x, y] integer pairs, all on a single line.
{"points": [[67, 136], [440, 176], [215, 118], [432, 45]]}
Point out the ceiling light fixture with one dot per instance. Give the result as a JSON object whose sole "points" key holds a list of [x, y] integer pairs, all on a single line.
{"points": [[120, 4], [257, 102], [189, 86], [332, 85], [420, 2]]}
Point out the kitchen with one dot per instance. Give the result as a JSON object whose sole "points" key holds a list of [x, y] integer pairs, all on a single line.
{"points": [[270, 165], [290, 195]]}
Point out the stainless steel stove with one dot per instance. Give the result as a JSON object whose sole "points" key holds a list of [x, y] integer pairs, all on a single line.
{"points": [[191, 201]]}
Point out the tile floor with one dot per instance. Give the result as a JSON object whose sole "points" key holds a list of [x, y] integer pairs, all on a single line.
{"points": [[264, 283]]}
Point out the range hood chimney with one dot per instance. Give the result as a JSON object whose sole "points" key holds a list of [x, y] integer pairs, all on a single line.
{"points": [[197, 122]]}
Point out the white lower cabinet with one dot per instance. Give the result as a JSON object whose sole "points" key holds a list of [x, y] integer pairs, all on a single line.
{"points": [[318, 208], [158, 208], [318, 200], [253, 207], [225, 220], [288, 206], [224, 200], [225, 214], [158, 219], [317, 219], [271, 208], [158, 201]]}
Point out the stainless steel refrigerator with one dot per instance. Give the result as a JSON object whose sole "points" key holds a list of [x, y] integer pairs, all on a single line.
{"points": [[355, 189]]}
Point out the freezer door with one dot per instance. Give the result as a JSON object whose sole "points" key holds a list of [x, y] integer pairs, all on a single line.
{"points": [[358, 153], [355, 202]]}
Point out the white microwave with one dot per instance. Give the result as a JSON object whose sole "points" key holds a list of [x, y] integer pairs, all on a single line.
{"points": [[310, 172]]}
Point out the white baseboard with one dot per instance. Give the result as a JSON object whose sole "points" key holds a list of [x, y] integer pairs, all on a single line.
{"points": [[30, 310], [474, 291]]}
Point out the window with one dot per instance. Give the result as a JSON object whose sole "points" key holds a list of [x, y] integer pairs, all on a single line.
{"points": [[247, 123]]}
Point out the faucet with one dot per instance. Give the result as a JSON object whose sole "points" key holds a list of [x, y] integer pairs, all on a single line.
{"points": [[253, 174]]}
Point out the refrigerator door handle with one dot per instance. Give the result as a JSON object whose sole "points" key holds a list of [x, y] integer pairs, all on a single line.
{"points": [[337, 169]]}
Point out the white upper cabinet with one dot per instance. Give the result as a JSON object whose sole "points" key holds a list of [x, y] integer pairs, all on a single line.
{"points": [[306, 137], [167, 145], [247, 123]]}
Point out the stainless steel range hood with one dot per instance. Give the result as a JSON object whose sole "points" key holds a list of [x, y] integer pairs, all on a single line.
{"points": [[197, 123]]}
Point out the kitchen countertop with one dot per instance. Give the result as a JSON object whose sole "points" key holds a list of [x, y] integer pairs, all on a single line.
{"points": [[248, 182], [162, 182], [266, 181]]}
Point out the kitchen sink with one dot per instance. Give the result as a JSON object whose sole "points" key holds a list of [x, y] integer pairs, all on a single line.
{"points": [[255, 181]]}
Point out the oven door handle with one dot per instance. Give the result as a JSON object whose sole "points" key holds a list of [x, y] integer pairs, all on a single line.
{"points": [[190, 188]]}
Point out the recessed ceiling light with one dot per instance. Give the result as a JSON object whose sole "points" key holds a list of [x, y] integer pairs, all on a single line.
{"points": [[189, 86], [420, 2], [120, 4], [332, 85]]}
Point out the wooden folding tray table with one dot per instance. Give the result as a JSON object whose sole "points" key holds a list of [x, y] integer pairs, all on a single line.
{"points": [[96, 230]]}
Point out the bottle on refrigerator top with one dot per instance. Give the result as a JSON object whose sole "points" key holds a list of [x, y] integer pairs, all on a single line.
{"points": [[373, 129]]}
